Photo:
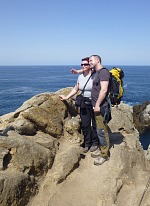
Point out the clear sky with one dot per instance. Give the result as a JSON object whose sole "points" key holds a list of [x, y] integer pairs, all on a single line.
{"points": [[61, 32]]}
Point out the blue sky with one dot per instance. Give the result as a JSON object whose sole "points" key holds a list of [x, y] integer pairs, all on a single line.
{"points": [[46, 32]]}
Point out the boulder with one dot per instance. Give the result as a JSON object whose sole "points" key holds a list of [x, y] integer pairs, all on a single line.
{"points": [[141, 117], [23, 154], [122, 119], [15, 188]]}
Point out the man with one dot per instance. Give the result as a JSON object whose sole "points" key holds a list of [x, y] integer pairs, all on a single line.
{"points": [[100, 104], [99, 101]]}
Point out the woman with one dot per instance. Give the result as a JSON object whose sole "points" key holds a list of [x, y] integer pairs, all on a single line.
{"points": [[88, 124]]}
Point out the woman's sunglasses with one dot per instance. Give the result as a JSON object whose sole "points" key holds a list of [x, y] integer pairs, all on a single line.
{"points": [[84, 65]]}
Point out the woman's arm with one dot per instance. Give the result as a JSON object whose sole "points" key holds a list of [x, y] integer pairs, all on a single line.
{"points": [[74, 71], [71, 94]]}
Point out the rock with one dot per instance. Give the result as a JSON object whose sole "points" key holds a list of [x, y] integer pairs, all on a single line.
{"points": [[141, 117], [72, 129], [15, 188], [24, 126], [122, 119], [40, 152], [146, 113], [65, 163], [44, 121], [24, 155], [147, 153], [4, 153]]}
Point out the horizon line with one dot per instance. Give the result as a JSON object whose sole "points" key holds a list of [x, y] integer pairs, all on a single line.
{"points": [[71, 64]]}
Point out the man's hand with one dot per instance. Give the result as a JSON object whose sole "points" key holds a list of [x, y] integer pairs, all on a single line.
{"points": [[97, 109]]}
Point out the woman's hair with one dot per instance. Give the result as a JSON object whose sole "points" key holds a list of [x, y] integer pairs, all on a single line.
{"points": [[85, 59]]}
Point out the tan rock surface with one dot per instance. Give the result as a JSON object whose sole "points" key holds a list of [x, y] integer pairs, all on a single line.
{"points": [[42, 163], [119, 181]]}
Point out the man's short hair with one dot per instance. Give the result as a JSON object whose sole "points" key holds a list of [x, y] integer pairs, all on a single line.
{"points": [[97, 56]]}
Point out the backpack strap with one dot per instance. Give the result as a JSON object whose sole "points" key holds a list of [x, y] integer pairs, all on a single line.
{"points": [[100, 72]]}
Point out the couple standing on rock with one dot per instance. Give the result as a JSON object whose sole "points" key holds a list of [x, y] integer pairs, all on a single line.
{"points": [[94, 128]]}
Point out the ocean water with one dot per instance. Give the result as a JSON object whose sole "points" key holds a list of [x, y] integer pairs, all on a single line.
{"points": [[20, 83]]}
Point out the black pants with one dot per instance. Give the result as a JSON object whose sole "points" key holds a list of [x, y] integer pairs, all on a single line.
{"points": [[88, 126]]}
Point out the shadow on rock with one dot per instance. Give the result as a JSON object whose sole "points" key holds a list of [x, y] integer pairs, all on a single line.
{"points": [[115, 138]]}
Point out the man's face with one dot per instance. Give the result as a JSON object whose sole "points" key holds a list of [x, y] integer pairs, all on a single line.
{"points": [[92, 62]]}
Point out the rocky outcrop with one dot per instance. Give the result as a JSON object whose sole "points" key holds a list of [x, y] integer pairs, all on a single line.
{"points": [[29, 140], [43, 164], [141, 117]]}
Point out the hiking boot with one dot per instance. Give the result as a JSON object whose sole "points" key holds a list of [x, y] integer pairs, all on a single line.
{"points": [[93, 148], [96, 153], [100, 160], [86, 149]]}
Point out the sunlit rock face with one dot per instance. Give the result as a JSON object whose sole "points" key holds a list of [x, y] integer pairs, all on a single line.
{"points": [[141, 117], [40, 154]]}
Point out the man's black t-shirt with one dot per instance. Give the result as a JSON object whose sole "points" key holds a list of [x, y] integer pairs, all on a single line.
{"points": [[100, 75]]}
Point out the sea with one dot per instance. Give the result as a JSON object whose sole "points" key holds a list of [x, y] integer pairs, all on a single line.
{"points": [[20, 83]]}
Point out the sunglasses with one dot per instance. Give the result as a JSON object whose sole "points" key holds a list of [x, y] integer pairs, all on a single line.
{"points": [[84, 65]]}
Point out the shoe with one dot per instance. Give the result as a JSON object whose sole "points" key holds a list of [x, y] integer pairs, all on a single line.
{"points": [[93, 148], [100, 160], [96, 153], [86, 149]]}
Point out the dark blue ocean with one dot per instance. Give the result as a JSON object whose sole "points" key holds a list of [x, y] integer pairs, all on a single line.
{"points": [[20, 83]]}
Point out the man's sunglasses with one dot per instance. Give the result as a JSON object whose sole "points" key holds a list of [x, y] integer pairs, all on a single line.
{"points": [[84, 65]]}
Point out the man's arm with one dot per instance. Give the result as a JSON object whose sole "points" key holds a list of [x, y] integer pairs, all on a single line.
{"points": [[102, 95]]}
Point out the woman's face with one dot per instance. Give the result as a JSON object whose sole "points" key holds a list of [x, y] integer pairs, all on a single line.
{"points": [[85, 65]]}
